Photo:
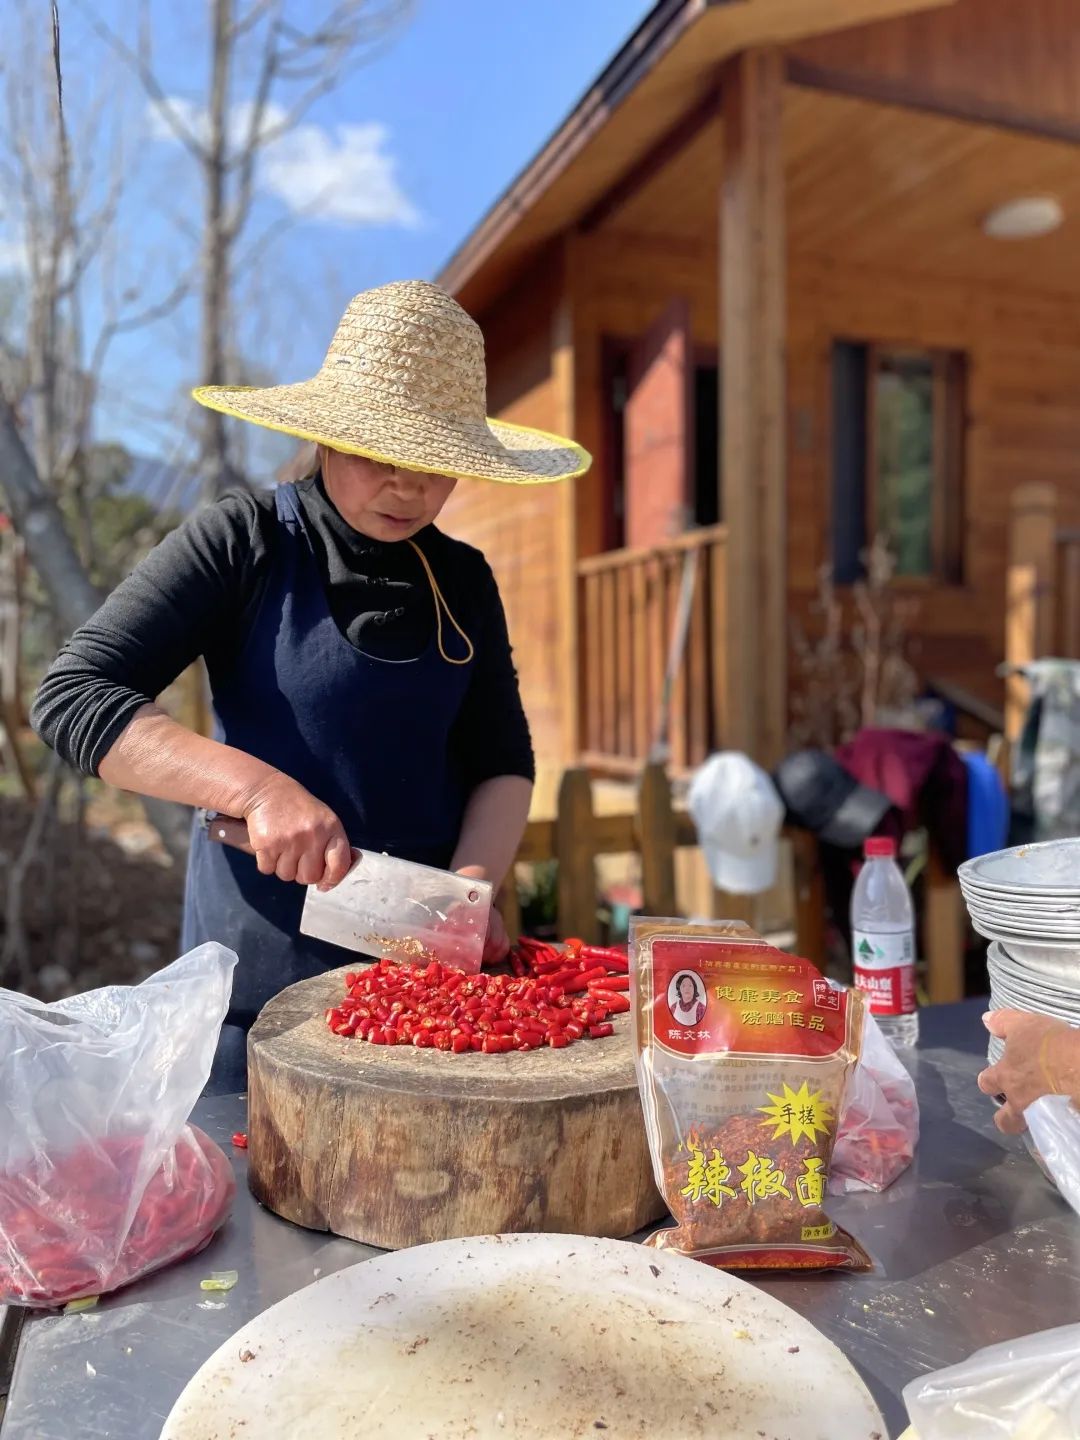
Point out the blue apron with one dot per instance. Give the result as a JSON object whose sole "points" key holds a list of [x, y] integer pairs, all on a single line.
{"points": [[368, 737]]}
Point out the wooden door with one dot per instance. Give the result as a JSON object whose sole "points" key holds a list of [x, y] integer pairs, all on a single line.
{"points": [[658, 430]]}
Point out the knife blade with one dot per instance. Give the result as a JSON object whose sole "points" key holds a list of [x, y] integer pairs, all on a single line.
{"points": [[390, 908]]}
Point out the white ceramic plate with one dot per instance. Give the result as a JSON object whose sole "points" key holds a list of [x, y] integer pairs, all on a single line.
{"points": [[1060, 967], [1005, 999], [1050, 868], [1024, 917], [527, 1337], [1029, 951], [1059, 906], [1001, 965]]}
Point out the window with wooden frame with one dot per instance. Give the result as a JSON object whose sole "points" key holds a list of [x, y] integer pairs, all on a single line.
{"points": [[898, 458]]}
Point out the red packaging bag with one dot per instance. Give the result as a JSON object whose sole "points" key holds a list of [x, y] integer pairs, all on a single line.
{"points": [[743, 1054], [102, 1179]]}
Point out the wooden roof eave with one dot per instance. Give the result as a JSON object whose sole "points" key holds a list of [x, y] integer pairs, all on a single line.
{"points": [[666, 70]]}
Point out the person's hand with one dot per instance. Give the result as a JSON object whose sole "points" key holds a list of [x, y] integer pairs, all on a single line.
{"points": [[1026, 1070], [497, 942], [295, 836]]}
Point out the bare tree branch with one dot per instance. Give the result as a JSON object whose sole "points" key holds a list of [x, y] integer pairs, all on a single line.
{"points": [[147, 78], [254, 141], [280, 227], [258, 12]]}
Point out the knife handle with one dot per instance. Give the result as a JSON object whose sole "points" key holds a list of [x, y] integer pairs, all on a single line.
{"points": [[224, 830]]}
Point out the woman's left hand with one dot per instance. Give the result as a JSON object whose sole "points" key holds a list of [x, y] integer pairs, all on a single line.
{"points": [[1024, 1072], [497, 944]]}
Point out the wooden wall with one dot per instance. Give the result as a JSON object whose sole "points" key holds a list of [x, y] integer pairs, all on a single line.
{"points": [[520, 528], [1023, 424], [1018, 57], [1023, 350], [623, 283]]}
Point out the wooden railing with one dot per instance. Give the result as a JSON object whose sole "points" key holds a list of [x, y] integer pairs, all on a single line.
{"points": [[651, 634], [578, 837], [1042, 600]]}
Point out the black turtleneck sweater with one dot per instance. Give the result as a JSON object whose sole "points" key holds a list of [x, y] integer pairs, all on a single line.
{"points": [[198, 592]]}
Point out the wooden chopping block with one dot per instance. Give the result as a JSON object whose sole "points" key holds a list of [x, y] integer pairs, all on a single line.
{"points": [[396, 1146]]}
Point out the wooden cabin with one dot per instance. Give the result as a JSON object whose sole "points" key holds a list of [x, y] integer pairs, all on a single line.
{"points": [[773, 273]]}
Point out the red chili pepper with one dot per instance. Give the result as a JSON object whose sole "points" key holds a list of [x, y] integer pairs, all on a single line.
{"points": [[598, 1032], [616, 1004], [561, 979], [240, 1140], [585, 979], [557, 1041]]}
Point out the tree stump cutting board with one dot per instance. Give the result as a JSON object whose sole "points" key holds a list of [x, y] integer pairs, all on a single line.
{"points": [[396, 1146]]}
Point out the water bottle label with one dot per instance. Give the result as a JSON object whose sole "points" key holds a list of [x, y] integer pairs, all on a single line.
{"points": [[885, 971]]}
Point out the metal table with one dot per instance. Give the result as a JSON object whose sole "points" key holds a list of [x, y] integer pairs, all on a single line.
{"points": [[972, 1246]]}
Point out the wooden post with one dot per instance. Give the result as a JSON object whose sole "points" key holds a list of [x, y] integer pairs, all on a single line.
{"points": [[809, 897], [656, 839], [726, 906], [1068, 584], [565, 501], [1029, 592], [575, 852], [944, 933], [753, 299], [508, 904]]}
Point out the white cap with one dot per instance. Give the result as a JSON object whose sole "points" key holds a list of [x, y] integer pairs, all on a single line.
{"points": [[738, 815]]}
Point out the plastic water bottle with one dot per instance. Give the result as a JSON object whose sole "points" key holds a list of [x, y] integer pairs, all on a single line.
{"points": [[883, 943]]}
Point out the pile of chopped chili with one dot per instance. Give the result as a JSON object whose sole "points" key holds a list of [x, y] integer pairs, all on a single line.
{"points": [[552, 997], [743, 1056], [79, 1229]]}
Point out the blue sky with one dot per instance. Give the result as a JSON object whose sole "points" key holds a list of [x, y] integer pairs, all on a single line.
{"points": [[414, 148]]}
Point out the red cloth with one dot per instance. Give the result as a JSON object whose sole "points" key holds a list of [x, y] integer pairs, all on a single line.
{"points": [[925, 779]]}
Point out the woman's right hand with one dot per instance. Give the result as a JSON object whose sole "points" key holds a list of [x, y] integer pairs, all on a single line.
{"points": [[295, 836]]}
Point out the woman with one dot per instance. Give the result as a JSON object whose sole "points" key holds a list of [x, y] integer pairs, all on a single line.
{"points": [[361, 674], [689, 1007]]}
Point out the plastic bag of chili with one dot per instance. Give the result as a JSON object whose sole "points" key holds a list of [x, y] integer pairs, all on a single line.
{"points": [[102, 1180], [743, 1053]]}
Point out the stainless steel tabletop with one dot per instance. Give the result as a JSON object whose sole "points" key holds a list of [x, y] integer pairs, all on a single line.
{"points": [[972, 1246]]}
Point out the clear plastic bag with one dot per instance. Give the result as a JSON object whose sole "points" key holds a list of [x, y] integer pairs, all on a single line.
{"points": [[1054, 1130], [1026, 1389], [101, 1178], [879, 1122]]}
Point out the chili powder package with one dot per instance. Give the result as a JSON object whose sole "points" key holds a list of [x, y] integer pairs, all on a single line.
{"points": [[743, 1053]]}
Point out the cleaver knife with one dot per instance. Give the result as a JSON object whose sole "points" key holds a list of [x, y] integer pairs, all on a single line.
{"points": [[390, 909]]}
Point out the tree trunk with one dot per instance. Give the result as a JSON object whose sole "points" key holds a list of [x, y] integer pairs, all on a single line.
{"points": [[37, 518], [217, 470], [74, 598]]}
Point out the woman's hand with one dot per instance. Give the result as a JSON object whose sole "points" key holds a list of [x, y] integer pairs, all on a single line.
{"points": [[497, 943], [1037, 1054], [295, 836]]}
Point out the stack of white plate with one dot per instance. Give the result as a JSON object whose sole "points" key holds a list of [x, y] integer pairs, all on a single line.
{"points": [[1026, 901]]}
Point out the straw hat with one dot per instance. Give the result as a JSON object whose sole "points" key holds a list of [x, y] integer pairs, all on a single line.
{"points": [[404, 383]]}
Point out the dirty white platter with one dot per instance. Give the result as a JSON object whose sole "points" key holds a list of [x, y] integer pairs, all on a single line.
{"points": [[527, 1337]]}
